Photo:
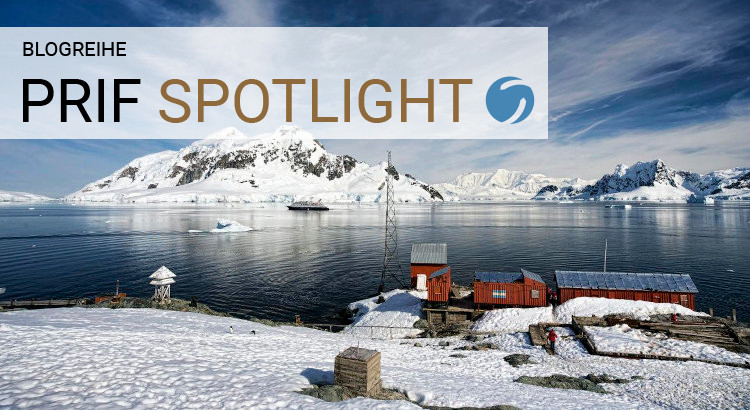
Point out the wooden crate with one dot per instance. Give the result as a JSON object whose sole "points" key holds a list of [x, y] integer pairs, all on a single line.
{"points": [[358, 369]]}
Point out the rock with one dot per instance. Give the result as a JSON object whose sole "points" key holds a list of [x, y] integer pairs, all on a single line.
{"points": [[444, 343], [474, 338], [487, 346], [605, 378], [329, 393], [421, 324], [636, 377], [458, 355], [417, 344], [333, 393], [560, 381], [516, 360]]}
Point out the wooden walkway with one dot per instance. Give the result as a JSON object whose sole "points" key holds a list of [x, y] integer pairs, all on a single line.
{"points": [[33, 304]]}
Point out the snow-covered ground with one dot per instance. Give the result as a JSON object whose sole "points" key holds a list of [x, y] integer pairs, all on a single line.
{"points": [[637, 309], [623, 339], [391, 319], [14, 196], [513, 319], [108, 358], [519, 319]]}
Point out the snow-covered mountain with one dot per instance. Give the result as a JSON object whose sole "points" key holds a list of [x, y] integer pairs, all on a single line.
{"points": [[655, 181], [285, 166], [503, 185], [13, 196], [643, 181]]}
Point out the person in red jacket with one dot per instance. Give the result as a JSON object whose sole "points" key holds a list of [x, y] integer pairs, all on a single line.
{"points": [[552, 336]]}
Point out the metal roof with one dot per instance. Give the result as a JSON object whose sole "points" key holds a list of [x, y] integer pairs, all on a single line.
{"points": [[429, 253], [498, 277], [625, 281], [162, 273], [531, 275], [506, 277], [440, 272]]}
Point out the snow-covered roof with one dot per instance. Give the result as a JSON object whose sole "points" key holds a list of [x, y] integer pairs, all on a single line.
{"points": [[625, 281], [506, 277], [160, 282], [162, 273], [429, 253]]}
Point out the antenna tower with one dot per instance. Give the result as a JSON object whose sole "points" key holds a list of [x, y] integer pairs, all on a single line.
{"points": [[605, 255], [391, 266]]}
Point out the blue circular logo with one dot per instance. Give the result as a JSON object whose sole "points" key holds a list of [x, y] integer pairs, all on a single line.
{"points": [[503, 104]]}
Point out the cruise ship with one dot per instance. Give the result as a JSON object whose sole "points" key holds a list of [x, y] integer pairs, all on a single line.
{"points": [[307, 206]]}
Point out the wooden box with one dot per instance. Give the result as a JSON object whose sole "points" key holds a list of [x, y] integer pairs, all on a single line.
{"points": [[358, 369]]}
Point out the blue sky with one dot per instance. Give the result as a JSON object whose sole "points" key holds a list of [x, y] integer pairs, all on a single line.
{"points": [[628, 81]]}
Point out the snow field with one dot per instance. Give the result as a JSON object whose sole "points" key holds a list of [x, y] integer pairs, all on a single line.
{"points": [[108, 358]]}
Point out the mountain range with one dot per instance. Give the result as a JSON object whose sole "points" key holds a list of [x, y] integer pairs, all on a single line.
{"points": [[287, 165], [290, 165]]}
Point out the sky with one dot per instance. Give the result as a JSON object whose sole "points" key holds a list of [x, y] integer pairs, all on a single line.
{"points": [[628, 81]]}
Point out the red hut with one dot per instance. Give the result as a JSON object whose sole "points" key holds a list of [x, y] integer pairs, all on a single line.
{"points": [[427, 258], [651, 287], [522, 288], [439, 286]]}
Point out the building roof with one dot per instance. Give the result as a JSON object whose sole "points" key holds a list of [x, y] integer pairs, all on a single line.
{"points": [[429, 253], [506, 277], [358, 353], [440, 272], [162, 273], [160, 282], [625, 281], [498, 277], [532, 275]]}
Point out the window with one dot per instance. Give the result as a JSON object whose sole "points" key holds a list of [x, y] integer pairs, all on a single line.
{"points": [[534, 294], [683, 300], [498, 293]]}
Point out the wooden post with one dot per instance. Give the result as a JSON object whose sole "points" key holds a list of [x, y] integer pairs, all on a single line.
{"points": [[710, 311], [734, 315]]}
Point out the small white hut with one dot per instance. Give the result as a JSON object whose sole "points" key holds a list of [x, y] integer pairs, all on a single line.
{"points": [[162, 280]]}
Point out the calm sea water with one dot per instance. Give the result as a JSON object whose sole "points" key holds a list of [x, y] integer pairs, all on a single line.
{"points": [[313, 264]]}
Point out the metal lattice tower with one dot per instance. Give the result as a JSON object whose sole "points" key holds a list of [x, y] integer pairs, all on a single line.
{"points": [[391, 266]]}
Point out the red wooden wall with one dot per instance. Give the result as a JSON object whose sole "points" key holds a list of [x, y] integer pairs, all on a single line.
{"points": [[516, 293], [419, 269], [684, 299]]}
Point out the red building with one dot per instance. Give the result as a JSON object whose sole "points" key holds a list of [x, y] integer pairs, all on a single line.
{"points": [[427, 258], [651, 287], [522, 288], [439, 286]]}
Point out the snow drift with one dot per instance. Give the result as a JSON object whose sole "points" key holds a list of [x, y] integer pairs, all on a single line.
{"points": [[513, 319], [391, 319], [638, 309]]}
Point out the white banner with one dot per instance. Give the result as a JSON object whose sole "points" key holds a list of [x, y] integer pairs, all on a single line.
{"points": [[395, 83]]}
